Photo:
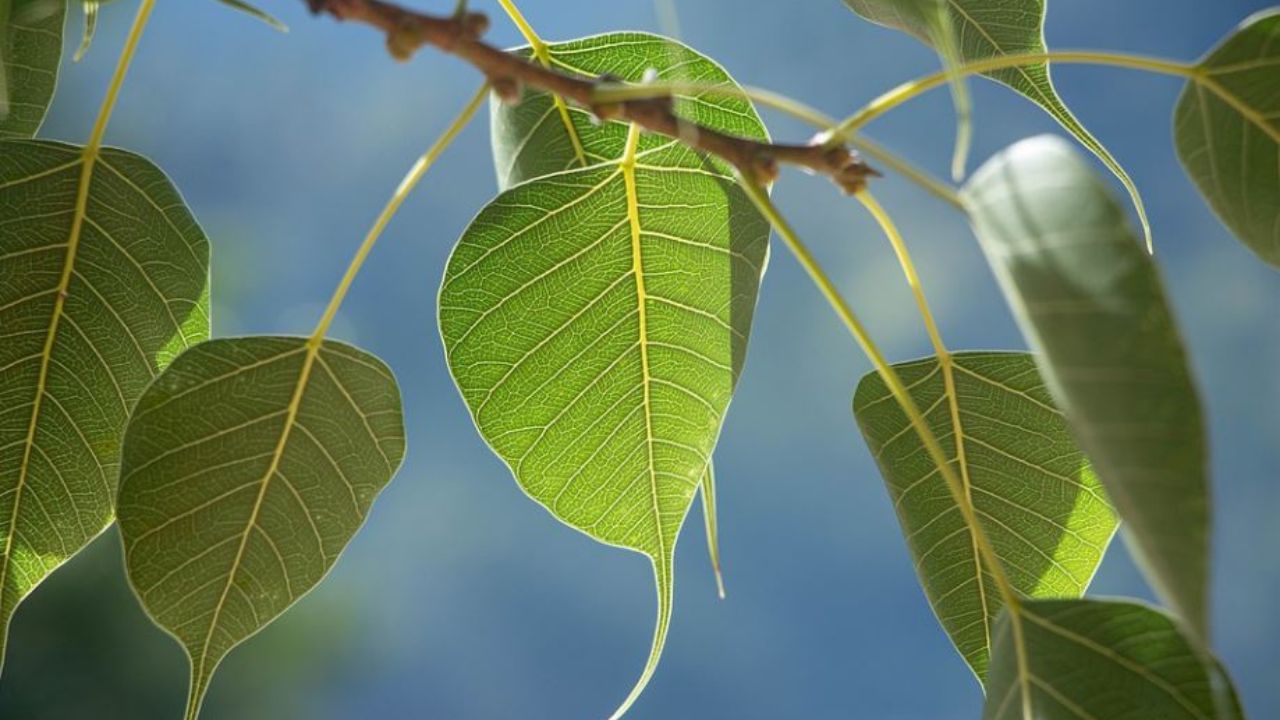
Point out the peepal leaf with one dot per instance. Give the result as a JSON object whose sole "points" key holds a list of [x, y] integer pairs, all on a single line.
{"points": [[532, 138], [30, 52], [248, 466], [1227, 131], [84, 327], [1090, 302], [596, 320], [1104, 659], [930, 21], [1031, 487], [992, 28]]}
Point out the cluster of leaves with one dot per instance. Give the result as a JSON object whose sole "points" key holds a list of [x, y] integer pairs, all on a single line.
{"points": [[595, 317]]}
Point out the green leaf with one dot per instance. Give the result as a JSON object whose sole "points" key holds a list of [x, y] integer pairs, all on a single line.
{"points": [[90, 11], [711, 525], [533, 138], [930, 21], [1103, 659], [1039, 501], [73, 363], [30, 52], [255, 12], [1092, 306], [1227, 131], [991, 28], [248, 466], [596, 321]]}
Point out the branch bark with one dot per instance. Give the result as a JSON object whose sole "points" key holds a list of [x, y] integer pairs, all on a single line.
{"points": [[408, 31]]}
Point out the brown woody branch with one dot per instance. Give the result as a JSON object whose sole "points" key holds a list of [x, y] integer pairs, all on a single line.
{"points": [[408, 31]]}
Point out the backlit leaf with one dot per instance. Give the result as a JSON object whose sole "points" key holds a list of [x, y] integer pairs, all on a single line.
{"points": [[1091, 304], [1103, 659], [30, 52], [248, 466], [533, 138], [1039, 501], [1227, 131], [596, 321], [991, 28], [73, 363]]}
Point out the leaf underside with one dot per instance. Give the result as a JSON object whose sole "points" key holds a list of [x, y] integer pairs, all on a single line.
{"points": [[596, 318], [1090, 302], [30, 52], [247, 468], [1227, 132], [1104, 659], [1040, 503], [992, 28], [136, 295]]}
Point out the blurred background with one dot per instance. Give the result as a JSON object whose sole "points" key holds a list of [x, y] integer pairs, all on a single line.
{"points": [[463, 599]]}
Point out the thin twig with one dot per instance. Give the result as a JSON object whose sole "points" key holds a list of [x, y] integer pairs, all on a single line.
{"points": [[408, 31]]}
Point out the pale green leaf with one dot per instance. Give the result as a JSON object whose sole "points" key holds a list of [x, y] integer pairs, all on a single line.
{"points": [[72, 366], [30, 52], [991, 28], [711, 524], [248, 466], [1227, 131], [1040, 503], [1090, 302], [1103, 659], [595, 322], [533, 138], [90, 11]]}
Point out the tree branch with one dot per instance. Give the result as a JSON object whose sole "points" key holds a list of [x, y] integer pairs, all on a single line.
{"points": [[408, 31]]}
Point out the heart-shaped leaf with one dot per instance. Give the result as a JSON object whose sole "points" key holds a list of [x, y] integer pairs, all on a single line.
{"points": [[248, 466], [1227, 131], [533, 138], [596, 321], [1103, 659], [992, 28], [1092, 306], [1039, 501], [87, 319], [30, 52]]}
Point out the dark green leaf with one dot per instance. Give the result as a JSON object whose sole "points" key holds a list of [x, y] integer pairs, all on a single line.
{"points": [[533, 138], [248, 466], [255, 12], [1103, 659], [1040, 503], [30, 52], [1091, 304], [1227, 130], [72, 364]]}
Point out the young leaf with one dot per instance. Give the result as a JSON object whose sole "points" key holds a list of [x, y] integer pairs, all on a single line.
{"points": [[533, 138], [254, 11], [90, 10], [991, 28], [30, 52], [247, 468], [1227, 131], [1103, 659], [84, 326], [1040, 502], [1091, 304], [595, 322]]}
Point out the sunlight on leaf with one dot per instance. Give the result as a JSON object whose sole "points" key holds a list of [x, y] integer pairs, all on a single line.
{"points": [[74, 364], [30, 52], [1227, 131], [1090, 302], [1042, 506], [247, 468], [1104, 659], [531, 139]]}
